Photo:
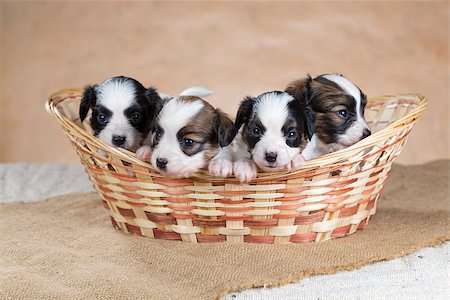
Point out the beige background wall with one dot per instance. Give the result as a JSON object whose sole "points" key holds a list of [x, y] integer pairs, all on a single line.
{"points": [[235, 49]]}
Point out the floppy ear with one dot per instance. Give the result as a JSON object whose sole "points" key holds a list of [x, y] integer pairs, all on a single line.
{"points": [[158, 107], [301, 90], [305, 116], [154, 101], [87, 101], [225, 129], [244, 112], [310, 121]]}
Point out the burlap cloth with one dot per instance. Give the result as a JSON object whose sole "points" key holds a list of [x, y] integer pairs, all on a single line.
{"points": [[65, 247]]}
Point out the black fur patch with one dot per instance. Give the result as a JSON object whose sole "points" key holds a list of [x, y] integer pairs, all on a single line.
{"points": [[253, 131], [88, 100], [96, 126], [158, 133], [245, 111], [224, 128]]}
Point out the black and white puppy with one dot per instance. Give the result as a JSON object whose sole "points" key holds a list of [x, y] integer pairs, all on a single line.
{"points": [[122, 111], [274, 129], [338, 108], [187, 133]]}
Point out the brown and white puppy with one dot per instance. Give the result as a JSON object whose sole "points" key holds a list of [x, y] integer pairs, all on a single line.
{"points": [[274, 129], [145, 152], [338, 109], [187, 133]]}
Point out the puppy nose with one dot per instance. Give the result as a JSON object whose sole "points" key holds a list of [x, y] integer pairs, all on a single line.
{"points": [[366, 133], [271, 157], [118, 140], [161, 163]]}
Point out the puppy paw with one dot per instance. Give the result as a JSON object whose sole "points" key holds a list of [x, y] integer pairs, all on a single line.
{"points": [[245, 169], [296, 162], [144, 153], [220, 167], [336, 147]]}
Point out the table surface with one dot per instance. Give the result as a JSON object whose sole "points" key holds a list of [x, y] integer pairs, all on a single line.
{"points": [[424, 274]]}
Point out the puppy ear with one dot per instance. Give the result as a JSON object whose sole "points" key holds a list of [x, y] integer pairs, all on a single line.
{"points": [[310, 121], [154, 103], [225, 129], [301, 90], [152, 95], [87, 101], [153, 99], [244, 112], [305, 117]]}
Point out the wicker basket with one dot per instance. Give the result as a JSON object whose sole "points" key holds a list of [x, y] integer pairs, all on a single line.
{"points": [[331, 196]]}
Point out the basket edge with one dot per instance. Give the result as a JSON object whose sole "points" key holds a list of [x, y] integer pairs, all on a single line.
{"points": [[330, 158]]}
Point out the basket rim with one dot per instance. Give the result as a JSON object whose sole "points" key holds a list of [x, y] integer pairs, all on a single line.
{"points": [[327, 159]]}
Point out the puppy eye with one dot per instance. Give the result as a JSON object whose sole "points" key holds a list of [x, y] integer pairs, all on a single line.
{"points": [[158, 133], [101, 118], [292, 134], [343, 113], [256, 131], [188, 143], [136, 117]]}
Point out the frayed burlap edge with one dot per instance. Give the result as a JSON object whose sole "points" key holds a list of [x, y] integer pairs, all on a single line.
{"points": [[293, 278]]}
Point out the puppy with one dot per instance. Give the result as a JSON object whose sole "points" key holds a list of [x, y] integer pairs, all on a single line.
{"points": [[338, 108], [145, 152], [122, 111], [187, 133], [274, 129]]}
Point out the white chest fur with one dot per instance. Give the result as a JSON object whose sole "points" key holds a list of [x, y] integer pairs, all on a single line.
{"points": [[316, 148]]}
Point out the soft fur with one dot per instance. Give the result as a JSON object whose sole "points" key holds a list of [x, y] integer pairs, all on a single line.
{"points": [[122, 111], [145, 152], [338, 108], [188, 132], [274, 129]]}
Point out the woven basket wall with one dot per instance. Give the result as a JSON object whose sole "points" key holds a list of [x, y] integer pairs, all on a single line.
{"points": [[331, 196]]}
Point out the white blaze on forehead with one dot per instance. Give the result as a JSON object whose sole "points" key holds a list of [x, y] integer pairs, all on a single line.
{"points": [[272, 109], [115, 94], [345, 84], [175, 113], [349, 87]]}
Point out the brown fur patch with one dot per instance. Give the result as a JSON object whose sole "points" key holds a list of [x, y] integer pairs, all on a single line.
{"points": [[202, 129], [326, 98], [329, 99], [299, 89]]}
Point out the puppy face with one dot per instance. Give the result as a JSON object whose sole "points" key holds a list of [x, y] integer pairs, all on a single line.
{"points": [[122, 111], [187, 134], [274, 129], [338, 107]]}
